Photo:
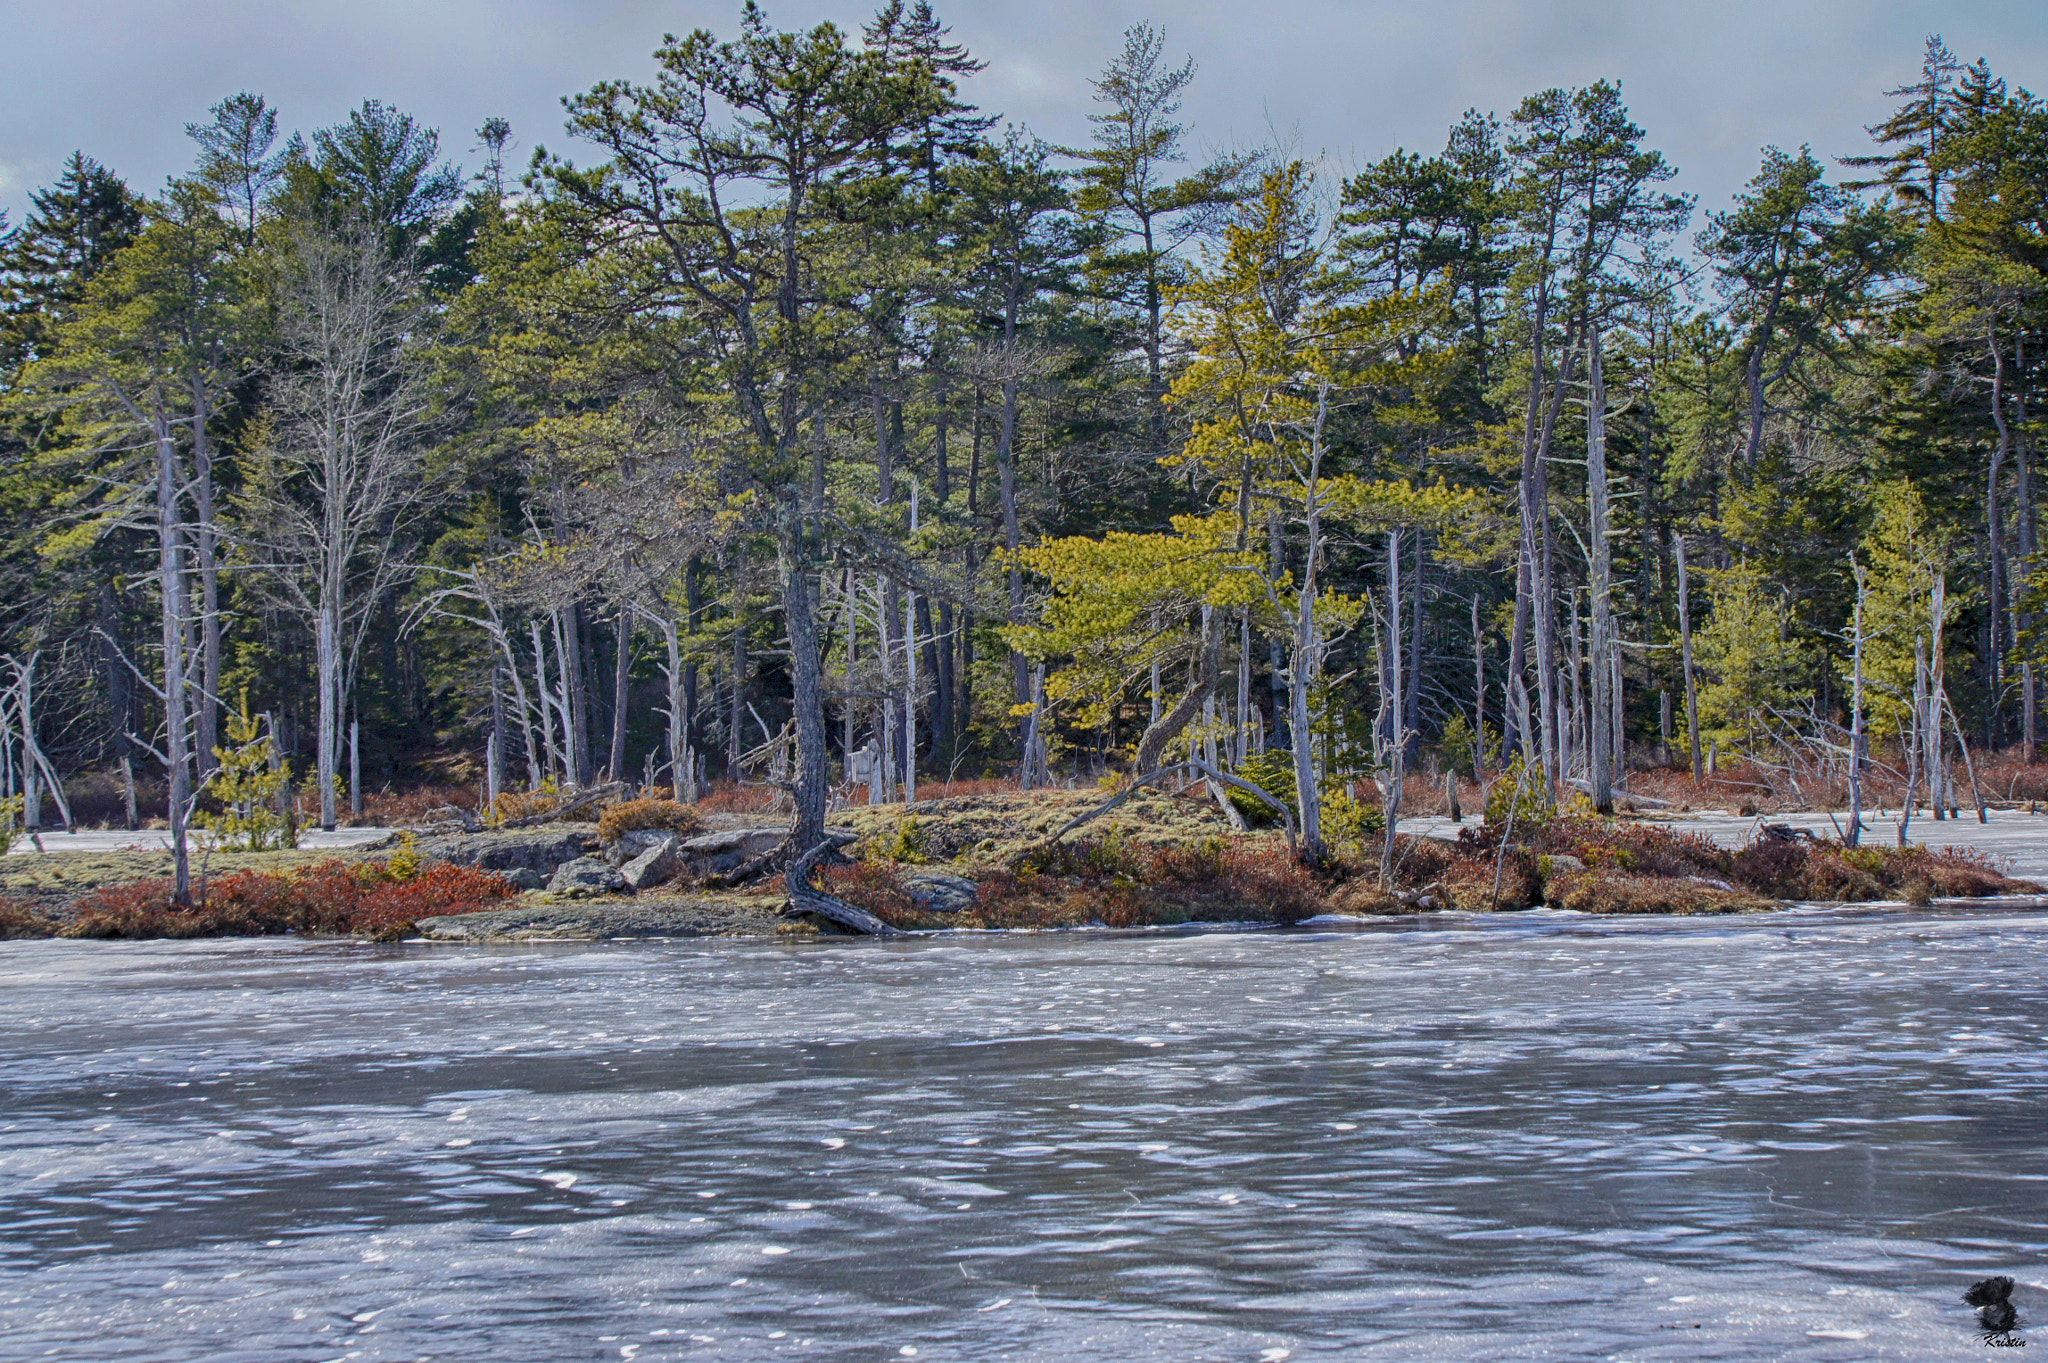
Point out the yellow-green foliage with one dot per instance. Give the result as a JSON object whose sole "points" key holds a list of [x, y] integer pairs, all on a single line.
{"points": [[250, 783], [1272, 772], [1521, 790], [405, 863], [1456, 750], [1754, 670], [11, 815], [1903, 553], [1121, 602], [905, 843], [1350, 821]]}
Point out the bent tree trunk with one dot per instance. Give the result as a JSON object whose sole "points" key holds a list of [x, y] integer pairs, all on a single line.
{"points": [[1168, 726]]}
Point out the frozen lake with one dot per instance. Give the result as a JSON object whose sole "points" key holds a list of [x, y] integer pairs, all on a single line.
{"points": [[2016, 835], [157, 840], [1795, 1136]]}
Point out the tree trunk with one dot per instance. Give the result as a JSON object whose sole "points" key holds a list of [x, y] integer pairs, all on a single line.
{"points": [[1855, 831], [206, 542], [1162, 731], [1601, 723], [1692, 697], [1412, 692], [170, 575], [1994, 530], [622, 668], [1307, 662], [1478, 694], [327, 659], [812, 769]]}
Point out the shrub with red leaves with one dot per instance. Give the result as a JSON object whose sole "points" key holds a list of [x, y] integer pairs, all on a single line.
{"points": [[329, 897]]}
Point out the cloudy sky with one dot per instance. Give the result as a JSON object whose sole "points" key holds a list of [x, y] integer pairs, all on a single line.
{"points": [[1711, 81]]}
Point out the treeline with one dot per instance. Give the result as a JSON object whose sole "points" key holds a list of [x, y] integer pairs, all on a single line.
{"points": [[797, 422]]}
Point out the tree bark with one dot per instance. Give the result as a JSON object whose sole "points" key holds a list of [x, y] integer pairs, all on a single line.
{"points": [[170, 574], [1601, 723], [1692, 697], [622, 667], [812, 769]]}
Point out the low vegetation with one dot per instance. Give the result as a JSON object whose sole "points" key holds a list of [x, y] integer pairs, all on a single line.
{"points": [[379, 900], [632, 816]]}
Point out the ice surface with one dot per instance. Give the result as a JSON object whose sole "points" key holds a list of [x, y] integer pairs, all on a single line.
{"points": [[1795, 1136]]}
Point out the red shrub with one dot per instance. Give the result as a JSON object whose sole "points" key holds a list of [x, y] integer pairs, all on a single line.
{"points": [[442, 888], [726, 798], [329, 897]]}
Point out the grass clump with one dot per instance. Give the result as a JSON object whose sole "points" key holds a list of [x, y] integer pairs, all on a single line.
{"points": [[1115, 881], [634, 816]]}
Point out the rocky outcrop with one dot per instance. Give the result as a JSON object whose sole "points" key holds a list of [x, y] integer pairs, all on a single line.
{"points": [[656, 865], [527, 859], [937, 892], [630, 845], [710, 853], [586, 876]]}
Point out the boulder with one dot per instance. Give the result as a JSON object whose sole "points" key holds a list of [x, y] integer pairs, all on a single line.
{"points": [[657, 865], [1558, 864], [538, 851], [525, 877], [937, 892], [586, 876], [631, 844], [710, 853]]}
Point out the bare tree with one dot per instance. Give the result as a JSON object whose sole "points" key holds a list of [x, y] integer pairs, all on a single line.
{"points": [[338, 482]]}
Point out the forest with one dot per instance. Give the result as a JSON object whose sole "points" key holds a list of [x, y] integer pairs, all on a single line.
{"points": [[790, 424]]}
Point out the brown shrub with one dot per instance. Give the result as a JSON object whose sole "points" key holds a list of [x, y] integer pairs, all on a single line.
{"points": [[1831, 876], [19, 921], [1622, 892], [1469, 882], [1773, 867], [632, 816], [393, 809], [522, 804], [1116, 882], [1362, 894]]}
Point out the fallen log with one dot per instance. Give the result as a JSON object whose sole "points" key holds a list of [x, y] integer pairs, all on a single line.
{"points": [[805, 897], [769, 860], [580, 803], [1641, 801]]}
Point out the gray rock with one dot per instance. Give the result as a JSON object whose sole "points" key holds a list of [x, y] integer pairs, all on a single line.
{"points": [[655, 866], [525, 877], [1558, 864], [539, 850], [710, 853], [632, 844], [586, 876], [937, 892]]}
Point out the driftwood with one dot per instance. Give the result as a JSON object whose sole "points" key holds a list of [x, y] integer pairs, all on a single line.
{"points": [[807, 898], [1151, 778], [451, 814], [768, 861], [1643, 801], [580, 803]]}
